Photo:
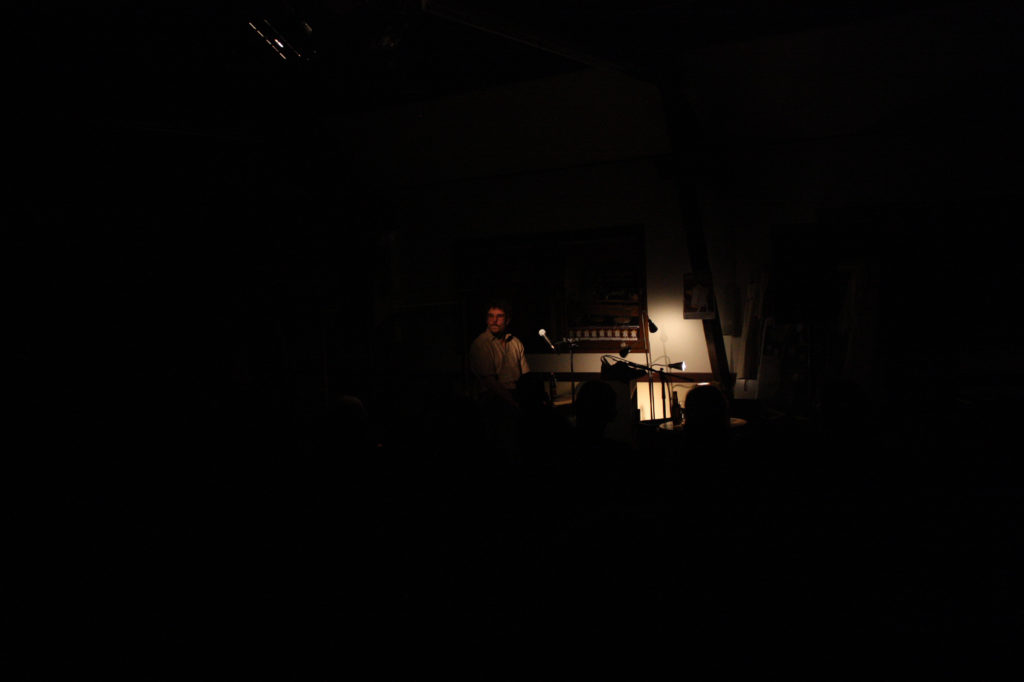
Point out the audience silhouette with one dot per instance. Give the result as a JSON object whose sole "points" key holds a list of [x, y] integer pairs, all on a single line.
{"points": [[809, 534], [707, 420]]}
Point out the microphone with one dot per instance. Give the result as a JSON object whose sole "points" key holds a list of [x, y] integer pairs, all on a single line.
{"points": [[677, 365], [544, 335]]}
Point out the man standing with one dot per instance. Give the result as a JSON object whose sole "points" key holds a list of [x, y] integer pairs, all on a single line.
{"points": [[497, 361], [497, 358]]}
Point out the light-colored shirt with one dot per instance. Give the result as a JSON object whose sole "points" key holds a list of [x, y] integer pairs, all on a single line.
{"points": [[501, 358]]}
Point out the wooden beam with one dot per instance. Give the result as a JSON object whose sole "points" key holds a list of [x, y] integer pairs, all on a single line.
{"points": [[685, 133]]}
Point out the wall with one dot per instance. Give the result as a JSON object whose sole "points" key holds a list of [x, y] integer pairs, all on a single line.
{"points": [[572, 152], [879, 139], [620, 193]]}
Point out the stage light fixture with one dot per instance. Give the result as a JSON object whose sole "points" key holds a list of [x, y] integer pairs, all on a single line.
{"points": [[298, 48]]}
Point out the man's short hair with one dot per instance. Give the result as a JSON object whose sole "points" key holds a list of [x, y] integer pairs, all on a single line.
{"points": [[500, 304]]}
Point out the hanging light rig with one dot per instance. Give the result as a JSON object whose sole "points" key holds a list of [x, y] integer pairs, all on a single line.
{"points": [[284, 48]]}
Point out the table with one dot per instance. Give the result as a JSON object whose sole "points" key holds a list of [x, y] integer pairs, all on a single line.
{"points": [[669, 426]]}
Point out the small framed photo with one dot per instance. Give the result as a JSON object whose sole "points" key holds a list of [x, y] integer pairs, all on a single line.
{"points": [[698, 296]]}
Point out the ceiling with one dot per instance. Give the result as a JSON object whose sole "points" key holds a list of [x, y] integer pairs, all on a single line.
{"points": [[363, 54], [129, 86]]}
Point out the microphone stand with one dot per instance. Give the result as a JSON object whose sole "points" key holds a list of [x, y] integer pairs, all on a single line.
{"points": [[650, 372], [573, 344], [628, 363], [645, 325], [661, 379]]}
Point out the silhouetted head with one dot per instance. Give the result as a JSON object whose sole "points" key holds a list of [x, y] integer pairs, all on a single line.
{"points": [[843, 406], [595, 406], [352, 416], [531, 391], [344, 423], [707, 411]]}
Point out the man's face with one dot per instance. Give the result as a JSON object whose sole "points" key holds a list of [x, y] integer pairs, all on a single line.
{"points": [[497, 321]]}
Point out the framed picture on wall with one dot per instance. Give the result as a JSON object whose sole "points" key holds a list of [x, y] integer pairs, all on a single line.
{"points": [[698, 296]]}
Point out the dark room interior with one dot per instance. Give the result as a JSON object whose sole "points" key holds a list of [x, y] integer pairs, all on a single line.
{"points": [[254, 247]]}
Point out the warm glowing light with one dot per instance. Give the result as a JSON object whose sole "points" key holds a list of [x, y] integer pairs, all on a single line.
{"points": [[275, 43], [657, 411]]}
